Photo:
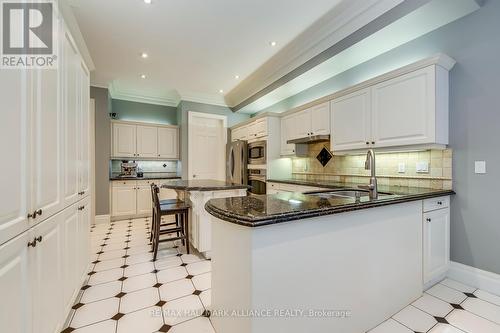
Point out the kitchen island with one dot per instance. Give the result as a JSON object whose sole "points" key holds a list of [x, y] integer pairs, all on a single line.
{"points": [[197, 193], [294, 262]]}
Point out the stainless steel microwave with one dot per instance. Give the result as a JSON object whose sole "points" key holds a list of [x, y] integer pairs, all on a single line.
{"points": [[257, 152]]}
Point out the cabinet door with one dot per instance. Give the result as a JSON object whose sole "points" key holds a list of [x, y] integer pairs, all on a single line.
{"points": [[70, 232], [45, 265], [124, 140], [259, 128], [320, 119], [236, 134], [47, 134], [15, 180], [147, 141], [403, 109], [71, 120], [436, 243], [124, 200], [287, 133], [144, 203], [15, 303], [302, 124], [350, 121], [84, 142], [84, 221], [168, 143]]}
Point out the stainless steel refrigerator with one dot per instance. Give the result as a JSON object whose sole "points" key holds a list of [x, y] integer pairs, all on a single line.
{"points": [[237, 160]]}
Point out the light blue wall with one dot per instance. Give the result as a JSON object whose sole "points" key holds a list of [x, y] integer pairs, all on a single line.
{"points": [[182, 118], [474, 42], [142, 112]]}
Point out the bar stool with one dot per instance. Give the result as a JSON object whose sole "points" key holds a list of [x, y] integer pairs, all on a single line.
{"points": [[178, 208], [162, 203]]}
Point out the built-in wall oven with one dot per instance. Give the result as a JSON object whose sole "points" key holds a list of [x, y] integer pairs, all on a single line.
{"points": [[257, 152], [257, 181]]}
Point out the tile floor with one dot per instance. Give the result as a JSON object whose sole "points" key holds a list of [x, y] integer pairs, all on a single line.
{"points": [[448, 307], [127, 292]]}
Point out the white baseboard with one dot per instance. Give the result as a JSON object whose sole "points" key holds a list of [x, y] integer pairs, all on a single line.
{"points": [[475, 277], [102, 219]]}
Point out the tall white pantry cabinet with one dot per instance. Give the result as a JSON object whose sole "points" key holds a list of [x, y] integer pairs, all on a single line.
{"points": [[45, 201]]}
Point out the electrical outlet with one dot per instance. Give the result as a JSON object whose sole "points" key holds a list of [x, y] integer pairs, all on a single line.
{"points": [[422, 167], [480, 167], [402, 167]]}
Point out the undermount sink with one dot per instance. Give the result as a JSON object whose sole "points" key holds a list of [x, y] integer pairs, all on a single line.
{"points": [[347, 193]]}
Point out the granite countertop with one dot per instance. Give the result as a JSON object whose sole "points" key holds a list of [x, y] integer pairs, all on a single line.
{"points": [[147, 175], [260, 210], [201, 185]]}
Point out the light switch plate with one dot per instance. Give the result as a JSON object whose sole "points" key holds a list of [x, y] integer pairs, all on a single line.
{"points": [[422, 167], [402, 167], [480, 167]]}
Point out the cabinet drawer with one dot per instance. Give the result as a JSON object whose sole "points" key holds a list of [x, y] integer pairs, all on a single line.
{"points": [[436, 203], [148, 182], [124, 183]]}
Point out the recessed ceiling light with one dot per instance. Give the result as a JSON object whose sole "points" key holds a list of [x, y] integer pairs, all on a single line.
{"points": [[147, 1], [273, 43], [143, 76], [236, 77], [221, 91], [144, 55]]}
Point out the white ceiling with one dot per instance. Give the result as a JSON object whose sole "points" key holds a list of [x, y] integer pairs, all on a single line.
{"points": [[195, 47]]}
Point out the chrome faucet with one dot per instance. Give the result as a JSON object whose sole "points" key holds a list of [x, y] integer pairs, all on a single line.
{"points": [[370, 165]]}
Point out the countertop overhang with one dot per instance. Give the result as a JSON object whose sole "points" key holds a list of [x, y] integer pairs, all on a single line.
{"points": [[202, 185], [261, 210]]}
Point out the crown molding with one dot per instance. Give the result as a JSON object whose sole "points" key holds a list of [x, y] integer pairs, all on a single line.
{"points": [[334, 26], [211, 99], [116, 93]]}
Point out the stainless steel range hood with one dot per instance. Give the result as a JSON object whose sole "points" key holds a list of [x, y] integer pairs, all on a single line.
{"points": [[310, 139]]}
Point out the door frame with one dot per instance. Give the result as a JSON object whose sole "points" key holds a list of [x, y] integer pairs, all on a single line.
{"points": [[92, 145], [191, 115]]}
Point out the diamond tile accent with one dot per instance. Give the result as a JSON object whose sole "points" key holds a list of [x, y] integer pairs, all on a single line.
{"points": [[123, 278], [189, 277], [120, 295], [470, 295], [158, 285], [441, 320], [160, 303], [196, 292], [457, 306], [85, 287], [68, 330], [165, 328]]}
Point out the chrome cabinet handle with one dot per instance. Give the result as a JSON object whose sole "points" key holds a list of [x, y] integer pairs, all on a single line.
{"points": [[81, 208], [32, 243], [439, 202], [428, 219], [35, 213]]}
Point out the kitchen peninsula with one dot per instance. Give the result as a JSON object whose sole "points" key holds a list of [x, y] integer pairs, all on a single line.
{"points": [[337, 260], [197, 193]]}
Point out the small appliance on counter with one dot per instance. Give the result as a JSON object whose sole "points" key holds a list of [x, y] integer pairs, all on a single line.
{"points": [[128, 169]]}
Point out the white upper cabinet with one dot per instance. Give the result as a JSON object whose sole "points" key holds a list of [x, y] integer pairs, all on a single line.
{"points": [[407, 110], [168, 142], [302, 124], [71, 120], [147, 141], [15, 203], [124, 140], [287, 133], [252, 131], [404, 109], [240, 133], [350, 121], [84, 146], [320, 119]]}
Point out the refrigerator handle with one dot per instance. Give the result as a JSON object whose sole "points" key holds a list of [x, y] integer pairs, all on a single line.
{"points": [[231, 164]]}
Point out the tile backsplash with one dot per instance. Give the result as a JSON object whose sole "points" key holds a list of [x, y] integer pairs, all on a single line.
{"points": [[148, 166], [351, 168]]}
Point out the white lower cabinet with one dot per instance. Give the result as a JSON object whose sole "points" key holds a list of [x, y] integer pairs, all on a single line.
{"points": [[15, 302], [124, 198], [436, 234], [42, 270], [144, 200]]}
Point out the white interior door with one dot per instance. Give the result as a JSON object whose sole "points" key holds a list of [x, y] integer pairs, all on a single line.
{"points": [[207, 135]]}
